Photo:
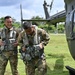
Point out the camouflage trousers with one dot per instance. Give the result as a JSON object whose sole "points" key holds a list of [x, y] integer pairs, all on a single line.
{"points": [[13, 59], [36, 67]]}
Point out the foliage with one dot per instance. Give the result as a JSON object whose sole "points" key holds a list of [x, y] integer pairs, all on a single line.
{"points": [[16, 24], [48, 28], [61, 28], [1, 22], [45, 27], [37, 22], [52, 28]]}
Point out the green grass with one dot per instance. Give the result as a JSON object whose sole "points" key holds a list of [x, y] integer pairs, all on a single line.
{"points": [[57, 56]]}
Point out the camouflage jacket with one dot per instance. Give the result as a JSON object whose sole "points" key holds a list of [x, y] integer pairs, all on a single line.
{"points": [[9, 36], [40, 36]]}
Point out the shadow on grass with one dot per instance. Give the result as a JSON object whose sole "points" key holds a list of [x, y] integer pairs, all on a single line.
{"points": [[55, 56], [58, 68]]}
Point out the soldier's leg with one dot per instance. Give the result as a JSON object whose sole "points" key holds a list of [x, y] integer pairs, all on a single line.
{"points": [[42, 67], [30, 69], [3, 63], [13, 63]]}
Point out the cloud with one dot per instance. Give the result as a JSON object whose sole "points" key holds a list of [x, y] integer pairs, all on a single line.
{"points": [[33, 8], [37, 6], [57, 6], [9, 2]]}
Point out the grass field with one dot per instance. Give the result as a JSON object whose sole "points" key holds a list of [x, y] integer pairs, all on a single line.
{"points": [[57, 56]]}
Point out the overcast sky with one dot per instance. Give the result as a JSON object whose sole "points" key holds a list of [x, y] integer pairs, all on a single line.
{"points": [[30, 8]]}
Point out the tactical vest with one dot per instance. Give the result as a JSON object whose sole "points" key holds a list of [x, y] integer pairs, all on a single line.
{"points": [[8, 37], [33, 50], [36, 38]]}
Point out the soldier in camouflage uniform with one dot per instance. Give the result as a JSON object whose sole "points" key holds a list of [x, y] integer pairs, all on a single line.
{"points": [[32, 40], [8, 47]]}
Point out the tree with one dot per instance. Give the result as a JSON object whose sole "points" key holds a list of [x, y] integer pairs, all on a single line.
{"points": [[1, 22], [37, 22], [61, 28]]}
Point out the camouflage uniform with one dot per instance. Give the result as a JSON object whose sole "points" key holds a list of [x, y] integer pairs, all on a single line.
{"points": [[8, 53], [38, 63]]}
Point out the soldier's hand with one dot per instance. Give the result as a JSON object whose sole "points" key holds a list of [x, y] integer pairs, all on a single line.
{"points": [[15, 44], [23, 48], [41, 45], [1, 43]]}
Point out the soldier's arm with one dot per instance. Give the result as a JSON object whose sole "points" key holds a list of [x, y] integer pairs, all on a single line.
{"points": [[1, 42], [45, 37], [20, 39]]}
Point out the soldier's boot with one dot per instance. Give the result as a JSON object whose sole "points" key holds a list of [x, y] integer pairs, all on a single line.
{"points": [[71, 70]]}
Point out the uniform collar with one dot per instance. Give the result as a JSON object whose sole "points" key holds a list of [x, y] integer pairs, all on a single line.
{"points": [[9, 29]]}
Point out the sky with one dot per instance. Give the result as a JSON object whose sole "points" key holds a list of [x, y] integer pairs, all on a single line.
{"points": [[30, 8]]}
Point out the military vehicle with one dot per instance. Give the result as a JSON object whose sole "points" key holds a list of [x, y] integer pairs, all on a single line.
{"points": [[67, 16], [70, 25]]}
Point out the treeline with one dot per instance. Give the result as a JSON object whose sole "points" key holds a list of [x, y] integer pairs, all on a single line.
{"points": [[53, 29], [44, 25], [59, 28]]}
